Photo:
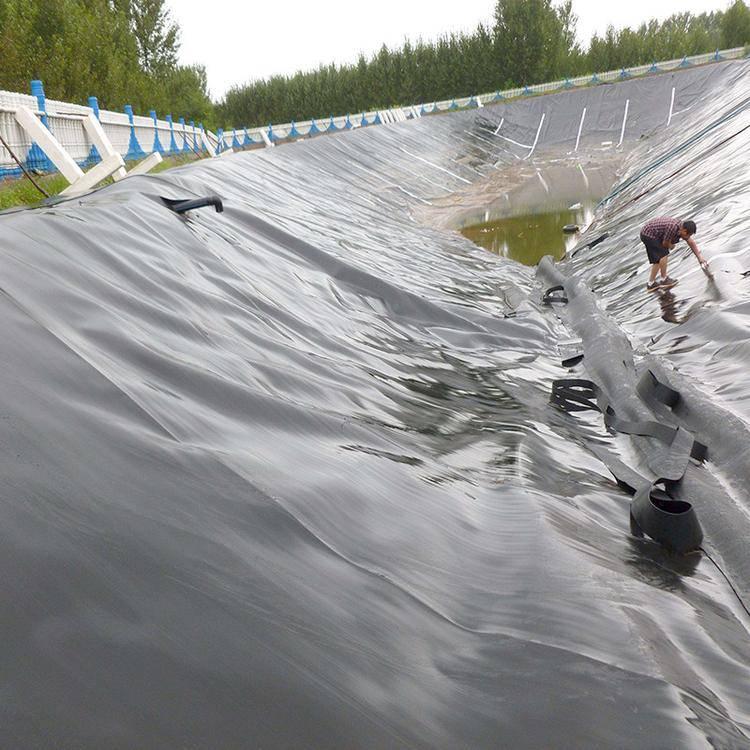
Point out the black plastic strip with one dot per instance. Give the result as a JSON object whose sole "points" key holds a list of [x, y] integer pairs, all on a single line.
{"points": [[576, 394], [572, 361], [548, 297], [180, 206], [650, 386], [589, 245]]}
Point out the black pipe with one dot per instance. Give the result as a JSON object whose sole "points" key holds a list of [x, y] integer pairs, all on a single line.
{"points": [[179, 206]]}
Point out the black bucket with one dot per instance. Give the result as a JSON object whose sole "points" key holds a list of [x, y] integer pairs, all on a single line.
{"points": [[670, 522]]}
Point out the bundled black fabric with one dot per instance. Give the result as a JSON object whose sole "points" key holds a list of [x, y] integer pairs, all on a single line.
{"points": [[669, 521], [628, 394]]}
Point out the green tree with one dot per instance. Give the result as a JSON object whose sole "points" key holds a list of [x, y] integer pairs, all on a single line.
{"points": [[735, 25], [532, 39], [156, 35]]}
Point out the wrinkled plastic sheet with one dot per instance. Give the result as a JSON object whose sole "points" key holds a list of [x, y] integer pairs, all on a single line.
{"points": [[287, 476]]}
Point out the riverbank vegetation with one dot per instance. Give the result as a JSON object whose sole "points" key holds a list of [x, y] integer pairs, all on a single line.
{"points": [[126, 52], [530, 41], [121, 51]]}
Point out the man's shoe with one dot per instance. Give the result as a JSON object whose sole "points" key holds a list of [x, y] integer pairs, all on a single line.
{"points": [[652, 286], [668, 282]]}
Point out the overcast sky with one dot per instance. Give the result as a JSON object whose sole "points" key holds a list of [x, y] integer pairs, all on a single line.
{"points": [[239, 41]]}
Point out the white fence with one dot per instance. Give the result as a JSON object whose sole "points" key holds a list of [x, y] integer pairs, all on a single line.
{"points": [[85, 136], [75, 137]]}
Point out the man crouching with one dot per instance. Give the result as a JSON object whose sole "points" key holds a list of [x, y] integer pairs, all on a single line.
{"points": [[659, 236]]}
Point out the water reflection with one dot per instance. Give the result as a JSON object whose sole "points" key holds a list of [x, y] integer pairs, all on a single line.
{"points": [[669, 306], [527, 238], [675, 310]]}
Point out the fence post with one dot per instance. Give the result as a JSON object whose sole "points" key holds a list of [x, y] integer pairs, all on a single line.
{"points": [[58, 156], [157, 143], [202, 140], [101, 143], [185, 146], [94, 105], [134, 148], [37, 90], [206, 143], [36, 158], [94, 155], [108, 166], [172, 142]]}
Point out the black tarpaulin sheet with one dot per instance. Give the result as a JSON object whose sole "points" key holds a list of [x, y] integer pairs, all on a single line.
{"points": [[287, 476]]}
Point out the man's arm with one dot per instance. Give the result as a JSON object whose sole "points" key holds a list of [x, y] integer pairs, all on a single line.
{"points": [[691, 244]]}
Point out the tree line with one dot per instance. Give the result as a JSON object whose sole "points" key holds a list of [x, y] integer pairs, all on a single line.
{"points": [[126, 52], [121, 51], [530, 41]]}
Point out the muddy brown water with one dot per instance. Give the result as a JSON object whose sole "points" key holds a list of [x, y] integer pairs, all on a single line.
{"points": [[519, 211], [529, 237]]}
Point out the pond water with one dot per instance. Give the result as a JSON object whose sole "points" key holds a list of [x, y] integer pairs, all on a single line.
{"points": [[528, 237]]}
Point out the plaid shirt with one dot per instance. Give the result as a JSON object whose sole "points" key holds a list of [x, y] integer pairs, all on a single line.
{"points": [[663, 228]]}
